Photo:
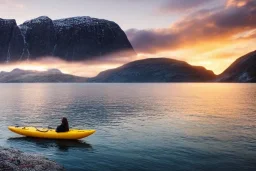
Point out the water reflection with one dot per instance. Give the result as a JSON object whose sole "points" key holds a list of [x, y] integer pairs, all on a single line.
{"points": [[62, 145], [139, 126]]}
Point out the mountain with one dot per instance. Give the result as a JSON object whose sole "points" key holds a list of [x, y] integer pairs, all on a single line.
{"points": [[12, 42], [71, 39], [29, 76], [242, 70], [155, 70]]}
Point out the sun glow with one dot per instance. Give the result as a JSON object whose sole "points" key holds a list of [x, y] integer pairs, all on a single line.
{"points": [[74, 68], [212, 55], [33, 67]]}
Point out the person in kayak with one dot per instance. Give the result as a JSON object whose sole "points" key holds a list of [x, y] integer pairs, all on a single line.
{"points": [[64, 126]]}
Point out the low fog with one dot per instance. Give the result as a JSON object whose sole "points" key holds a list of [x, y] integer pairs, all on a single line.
{"points": [[88, 68]]}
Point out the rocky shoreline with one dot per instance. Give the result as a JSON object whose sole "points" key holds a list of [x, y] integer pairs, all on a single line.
{"points": [[15, 160]]}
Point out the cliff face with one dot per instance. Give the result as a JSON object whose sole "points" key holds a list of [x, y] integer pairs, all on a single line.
{"points": [[71, 39], [39, 36], [155, 70], [85, 37], [242, 70], [12, 42]]}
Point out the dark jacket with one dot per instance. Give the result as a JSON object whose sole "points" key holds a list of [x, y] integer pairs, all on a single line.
{"points": [[62, 128]]}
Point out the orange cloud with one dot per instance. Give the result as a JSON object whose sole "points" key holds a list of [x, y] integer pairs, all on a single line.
{"points": [[202, 27], [236, 3], [213, 38], [206, 37]]}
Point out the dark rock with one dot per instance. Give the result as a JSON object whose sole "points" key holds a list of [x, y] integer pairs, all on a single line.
{"points": [[39, 36], [81, 38], [242, 70], [71, 39], [11, 44], [16, 45], [15, 160], [155, 70]]}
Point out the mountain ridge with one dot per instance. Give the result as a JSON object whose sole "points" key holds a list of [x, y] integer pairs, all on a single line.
{"points": [[242, 69], [147, 70], [155, 70], [32, 76], [72, 39]]}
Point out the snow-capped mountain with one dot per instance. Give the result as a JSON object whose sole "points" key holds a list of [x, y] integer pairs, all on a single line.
{"points": [[72, 39]]}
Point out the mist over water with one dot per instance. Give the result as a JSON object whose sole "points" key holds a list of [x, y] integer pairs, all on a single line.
{"points": [[139, 126], [84, 68]]}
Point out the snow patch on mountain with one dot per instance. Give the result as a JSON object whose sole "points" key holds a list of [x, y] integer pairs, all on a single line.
{"points": [[72, 39], [38, 20], [82, 21]]}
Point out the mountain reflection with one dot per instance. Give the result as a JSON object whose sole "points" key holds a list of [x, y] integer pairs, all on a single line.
{"points": [[62, 145]]}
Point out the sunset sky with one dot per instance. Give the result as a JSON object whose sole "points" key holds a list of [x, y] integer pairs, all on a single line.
{"points": [[210, 33]]}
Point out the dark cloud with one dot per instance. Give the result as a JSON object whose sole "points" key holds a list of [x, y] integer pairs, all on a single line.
{"points": [[202, 26], [183, 5], [151, 40]]}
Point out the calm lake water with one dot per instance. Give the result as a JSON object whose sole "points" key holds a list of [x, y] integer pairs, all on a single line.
{"points": [[139, 126]]}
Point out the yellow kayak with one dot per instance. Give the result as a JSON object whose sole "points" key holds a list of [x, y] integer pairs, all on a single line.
{"points": [[72, 134]]}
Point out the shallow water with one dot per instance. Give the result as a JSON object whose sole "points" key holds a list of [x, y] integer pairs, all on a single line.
{"points": [[139, 126]]}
